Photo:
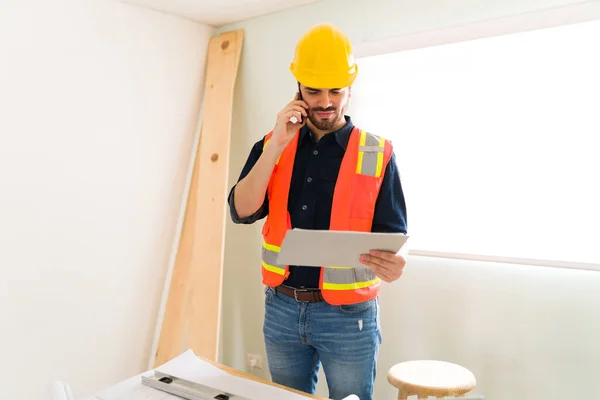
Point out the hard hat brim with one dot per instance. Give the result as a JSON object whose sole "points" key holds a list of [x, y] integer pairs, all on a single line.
{"points": [[325, 80]]}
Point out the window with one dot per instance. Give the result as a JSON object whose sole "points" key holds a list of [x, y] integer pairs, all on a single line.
{"points": [[497, 140]]}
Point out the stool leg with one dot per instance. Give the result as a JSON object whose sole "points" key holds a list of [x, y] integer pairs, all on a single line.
{"points": [[402, 395]]}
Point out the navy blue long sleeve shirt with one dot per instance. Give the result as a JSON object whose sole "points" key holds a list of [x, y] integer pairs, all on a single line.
{"points": [[315, 172]]}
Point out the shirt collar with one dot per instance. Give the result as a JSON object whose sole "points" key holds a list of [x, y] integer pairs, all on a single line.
{"points": [[342, 135]]}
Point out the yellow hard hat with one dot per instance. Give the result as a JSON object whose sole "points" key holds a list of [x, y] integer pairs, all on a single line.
{"points": [[324, 59]]}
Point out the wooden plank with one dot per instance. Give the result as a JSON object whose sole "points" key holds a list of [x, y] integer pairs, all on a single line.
{"points": [[193, 309]]}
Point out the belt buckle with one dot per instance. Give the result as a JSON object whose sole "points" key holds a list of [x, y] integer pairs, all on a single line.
{"points": [[296, 295]]}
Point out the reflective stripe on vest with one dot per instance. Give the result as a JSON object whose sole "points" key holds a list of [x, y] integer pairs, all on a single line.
{"points": [[269, 256], [370, 162], [370, 154], [348, 278]]}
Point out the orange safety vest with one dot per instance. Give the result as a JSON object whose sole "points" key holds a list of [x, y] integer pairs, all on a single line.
{"points": [[356, 190]]}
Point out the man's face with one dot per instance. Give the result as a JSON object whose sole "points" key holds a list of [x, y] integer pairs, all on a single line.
{"points": [[326, 106]]}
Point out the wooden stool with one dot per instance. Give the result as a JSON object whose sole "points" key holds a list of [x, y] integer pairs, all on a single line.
{"points": [[426, 378]]}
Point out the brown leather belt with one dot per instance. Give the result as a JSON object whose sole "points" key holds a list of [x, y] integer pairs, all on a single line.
{"points": [[301, 295]]}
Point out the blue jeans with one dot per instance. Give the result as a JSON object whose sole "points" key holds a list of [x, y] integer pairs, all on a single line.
{"points": [[299, 337]]}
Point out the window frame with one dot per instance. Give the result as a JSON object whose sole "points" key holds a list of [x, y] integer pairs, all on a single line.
{"points": [[553, 17]]}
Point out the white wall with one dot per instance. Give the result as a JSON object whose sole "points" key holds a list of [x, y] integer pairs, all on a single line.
{"points": [[99, 103], [526, 332]]}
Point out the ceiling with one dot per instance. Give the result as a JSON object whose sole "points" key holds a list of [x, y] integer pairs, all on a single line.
{"points": [[219, 12]]}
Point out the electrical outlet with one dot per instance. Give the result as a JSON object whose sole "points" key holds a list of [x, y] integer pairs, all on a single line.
{"points": [[254, 361]]}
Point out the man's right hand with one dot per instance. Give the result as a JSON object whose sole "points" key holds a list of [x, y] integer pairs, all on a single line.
{"points": [[285, 130]]}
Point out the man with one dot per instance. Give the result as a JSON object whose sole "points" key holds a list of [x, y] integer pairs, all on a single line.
{"points": [[315, 170]]}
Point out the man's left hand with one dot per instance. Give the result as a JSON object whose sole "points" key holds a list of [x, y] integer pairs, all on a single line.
{"points": [[386, 265]]}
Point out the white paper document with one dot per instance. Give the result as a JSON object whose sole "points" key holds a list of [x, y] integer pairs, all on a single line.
{"points": [[60, 391], [189, 367], [315, 248]]}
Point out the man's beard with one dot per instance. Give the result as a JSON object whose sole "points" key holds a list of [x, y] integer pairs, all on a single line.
{"points": [[324, 124]]}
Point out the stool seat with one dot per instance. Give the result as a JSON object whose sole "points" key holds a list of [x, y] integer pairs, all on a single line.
{"points": [[430, 378]]}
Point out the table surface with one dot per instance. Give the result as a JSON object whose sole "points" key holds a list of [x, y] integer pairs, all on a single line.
{"points": [[134, 381], [242, 374]]}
